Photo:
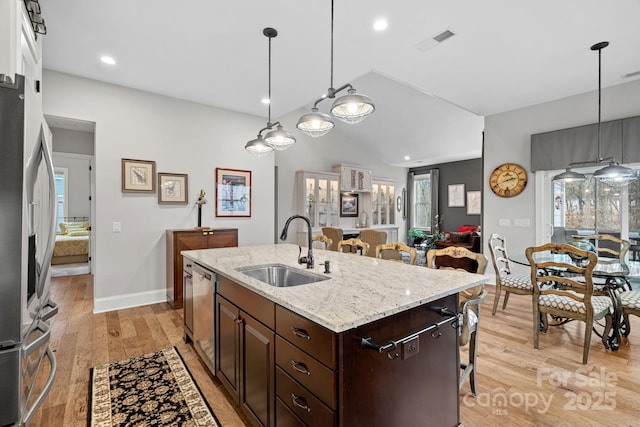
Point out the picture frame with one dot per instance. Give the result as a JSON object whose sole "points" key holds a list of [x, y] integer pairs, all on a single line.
{"points": [[138, 176], [456, 196], [474, 202], [233, 193], [173, 188], [348, 205]]}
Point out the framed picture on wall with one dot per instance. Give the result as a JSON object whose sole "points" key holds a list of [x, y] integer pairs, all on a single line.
{"points": [[456, 196], [138, 176], [348, 204], [233, 193], [474, 202], [173, 189]]}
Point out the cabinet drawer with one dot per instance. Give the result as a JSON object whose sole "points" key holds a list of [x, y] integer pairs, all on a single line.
{"points": [[302, 403], [307, 371], [311, 337], [284, 416], [260, 308]]}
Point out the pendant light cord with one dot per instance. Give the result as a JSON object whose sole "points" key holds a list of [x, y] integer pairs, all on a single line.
{"points": [[599, 101], [331, 82], [269, 95]]}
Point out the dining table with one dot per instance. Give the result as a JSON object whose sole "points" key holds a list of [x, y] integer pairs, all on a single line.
{"points": [[614, 276]]}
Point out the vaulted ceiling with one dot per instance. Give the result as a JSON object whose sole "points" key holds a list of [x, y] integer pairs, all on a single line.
{"points": [[430, 97]]}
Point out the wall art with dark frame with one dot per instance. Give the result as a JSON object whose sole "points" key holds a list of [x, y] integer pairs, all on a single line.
{"points": [[348, 204], [233, 193], [173, 188], [138, 176]]}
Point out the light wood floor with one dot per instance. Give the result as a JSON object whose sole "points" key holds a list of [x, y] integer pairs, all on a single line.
{"points": [[517, 385]]}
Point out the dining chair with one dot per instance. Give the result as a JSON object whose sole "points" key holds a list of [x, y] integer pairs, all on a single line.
{"points": [[335, 234], [612, 248], [457, 258], [506, 281], [630, 303], [353, 245], [324, 240], [373, 238], [566, 290], [395, 251]]}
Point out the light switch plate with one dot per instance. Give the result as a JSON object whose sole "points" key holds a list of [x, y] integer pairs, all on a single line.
{"points": [[521, 222], [117, 226], [504, 222]]}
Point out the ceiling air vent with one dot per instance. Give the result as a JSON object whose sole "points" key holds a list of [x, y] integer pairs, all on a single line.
{"points": [[443, 36], [427, 44]]}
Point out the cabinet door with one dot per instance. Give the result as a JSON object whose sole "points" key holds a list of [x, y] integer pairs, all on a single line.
{"points": [[257, 356], [228, 317], [222, 238]]}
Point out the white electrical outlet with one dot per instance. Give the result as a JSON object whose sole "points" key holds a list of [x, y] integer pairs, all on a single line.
{"points": [[117, 226], [504, 222]]}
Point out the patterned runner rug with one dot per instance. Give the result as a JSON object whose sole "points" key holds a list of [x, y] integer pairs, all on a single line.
{"points": [[155, 389]]}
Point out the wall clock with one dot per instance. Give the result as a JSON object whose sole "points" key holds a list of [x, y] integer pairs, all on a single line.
{"points": [[508, 180]]}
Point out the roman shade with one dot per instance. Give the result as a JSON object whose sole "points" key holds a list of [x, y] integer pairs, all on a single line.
{"points": [[555, 150]]}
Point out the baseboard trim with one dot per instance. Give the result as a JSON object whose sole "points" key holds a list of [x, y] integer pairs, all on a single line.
{"points": [[118, 302]]}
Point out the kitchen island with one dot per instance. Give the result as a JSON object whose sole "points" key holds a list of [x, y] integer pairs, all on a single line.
{"points": [[375, 344]]}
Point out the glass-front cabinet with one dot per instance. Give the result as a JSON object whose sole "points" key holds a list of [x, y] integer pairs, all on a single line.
{"points": [[383, 202], [318, 197]]}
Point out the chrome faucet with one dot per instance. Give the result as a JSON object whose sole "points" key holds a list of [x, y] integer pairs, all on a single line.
{"points": [[283, 236]]}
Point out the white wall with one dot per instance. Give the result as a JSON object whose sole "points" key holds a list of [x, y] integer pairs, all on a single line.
{"points": [[181, 137], [72, 141], [78, 182], [320, 154], [508, 139]]}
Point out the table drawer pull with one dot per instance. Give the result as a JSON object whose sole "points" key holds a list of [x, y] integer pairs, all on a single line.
{"points": [[297, 400], [300, 367], [300, 333]]}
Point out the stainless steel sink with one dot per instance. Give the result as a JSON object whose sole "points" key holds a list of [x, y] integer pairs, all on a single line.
{"points": [[281, 275]]}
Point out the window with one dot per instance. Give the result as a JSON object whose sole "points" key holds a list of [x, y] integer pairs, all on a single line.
{"points": [[421, 203], [61, 190], [576, 206]]}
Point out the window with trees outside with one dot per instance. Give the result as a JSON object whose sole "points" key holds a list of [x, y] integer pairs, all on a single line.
{"points": [[592, 205], [421, 203]]}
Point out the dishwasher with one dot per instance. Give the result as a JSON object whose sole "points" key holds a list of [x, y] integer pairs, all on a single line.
{"points": [[203, 306]]}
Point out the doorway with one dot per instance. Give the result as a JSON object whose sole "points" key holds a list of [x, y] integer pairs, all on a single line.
{"points": [[73, 160]]}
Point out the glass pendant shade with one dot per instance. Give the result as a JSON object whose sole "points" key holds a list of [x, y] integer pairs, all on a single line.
{"points": [[258, 147], [315, 124], [569, 176], [352, 108], [279, 139], [615, 175]]}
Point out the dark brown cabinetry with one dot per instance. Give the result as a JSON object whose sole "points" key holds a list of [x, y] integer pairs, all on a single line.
{"points": [[246, 350], [183, 240]]}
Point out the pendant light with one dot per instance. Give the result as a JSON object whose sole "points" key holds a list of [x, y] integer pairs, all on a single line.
{"points": [[278, 139], [351, 108], [613, 175]]}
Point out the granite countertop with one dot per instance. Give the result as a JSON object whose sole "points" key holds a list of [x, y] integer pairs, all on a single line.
{"points": [[360, 289]]}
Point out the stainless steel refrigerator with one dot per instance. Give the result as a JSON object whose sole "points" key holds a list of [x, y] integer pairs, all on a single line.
{"points": [[27, 233]]}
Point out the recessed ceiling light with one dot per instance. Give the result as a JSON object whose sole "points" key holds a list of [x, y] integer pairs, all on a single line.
{"points": [[407, 158], [265, 100], [380, 25], [108, 60]]}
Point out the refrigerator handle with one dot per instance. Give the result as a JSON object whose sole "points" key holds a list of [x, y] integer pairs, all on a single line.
{"points": [[46, 333], [53, 310], [48, 254], [45, 390]]}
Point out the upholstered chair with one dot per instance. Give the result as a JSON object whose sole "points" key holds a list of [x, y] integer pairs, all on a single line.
{"points": [[335, 234], [565, 290], [457, 258], [506, 281], [324, 240], [395, 251], [355, 246], [373, 238]]}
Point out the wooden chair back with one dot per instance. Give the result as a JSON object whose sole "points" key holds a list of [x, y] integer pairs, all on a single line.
{"points": [[327, 242], [394, 250], [354, 245]]}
